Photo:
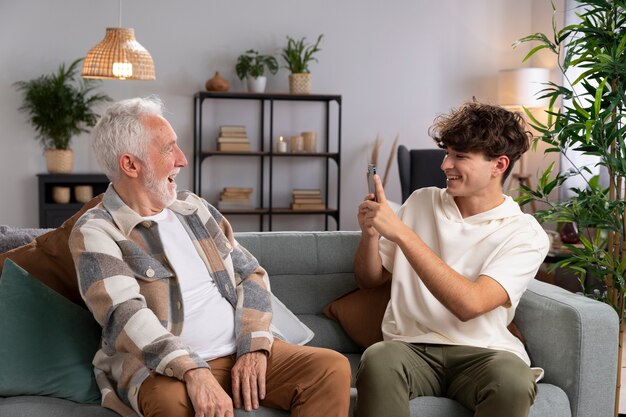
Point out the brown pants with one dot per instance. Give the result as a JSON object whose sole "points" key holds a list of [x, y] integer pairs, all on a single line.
{"points": [[308, 381]]}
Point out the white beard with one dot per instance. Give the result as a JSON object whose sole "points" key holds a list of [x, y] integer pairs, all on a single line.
{"points": [[159, 188]]}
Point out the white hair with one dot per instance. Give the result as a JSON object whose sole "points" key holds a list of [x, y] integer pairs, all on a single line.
{"points": [[121, 130]]}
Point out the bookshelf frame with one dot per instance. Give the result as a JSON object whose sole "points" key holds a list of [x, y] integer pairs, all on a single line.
{"points": [[266, 156]]}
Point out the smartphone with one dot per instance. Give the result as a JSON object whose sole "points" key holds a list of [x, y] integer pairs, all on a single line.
{"points": [[371, 171]]}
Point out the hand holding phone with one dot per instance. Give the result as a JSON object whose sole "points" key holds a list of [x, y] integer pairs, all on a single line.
{"points": [[371, 171]]}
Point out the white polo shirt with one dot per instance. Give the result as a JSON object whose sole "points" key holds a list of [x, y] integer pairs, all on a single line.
{"points": [[502, 243]]}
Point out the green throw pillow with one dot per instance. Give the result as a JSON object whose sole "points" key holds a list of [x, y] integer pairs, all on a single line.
{"points": [[47, 342]]}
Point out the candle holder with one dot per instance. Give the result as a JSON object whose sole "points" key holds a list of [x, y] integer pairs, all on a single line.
{"points": [[296, 144], [310, 141], [281, 146]]}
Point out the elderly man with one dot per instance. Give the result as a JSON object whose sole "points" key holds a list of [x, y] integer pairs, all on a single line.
{"points": [[459, 260], [185, 310]]}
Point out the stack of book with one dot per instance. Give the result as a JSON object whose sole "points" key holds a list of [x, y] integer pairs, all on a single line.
{"points": [[233, 139], [307, 199], [235, 198]]}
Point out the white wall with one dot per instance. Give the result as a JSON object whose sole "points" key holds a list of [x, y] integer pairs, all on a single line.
{"points": [[398, 65]]}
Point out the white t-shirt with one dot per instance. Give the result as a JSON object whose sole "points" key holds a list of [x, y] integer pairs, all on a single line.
{"points": [[502, 243], [209, 323]]}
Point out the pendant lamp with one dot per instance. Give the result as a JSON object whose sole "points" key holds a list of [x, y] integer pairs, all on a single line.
{"points": [[119, 56]]}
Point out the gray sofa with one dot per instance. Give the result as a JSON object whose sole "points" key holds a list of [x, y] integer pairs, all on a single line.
{"points": [[572, 337]]}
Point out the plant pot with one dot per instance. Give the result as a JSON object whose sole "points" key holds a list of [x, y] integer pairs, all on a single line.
{"points": [[300, 83], [256, 85], [59, 161]]}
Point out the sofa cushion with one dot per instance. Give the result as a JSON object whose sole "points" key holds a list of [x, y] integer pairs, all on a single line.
{"points": [[360, 312], [13, 237], [48, 257], [48, 342], [35, 406]]}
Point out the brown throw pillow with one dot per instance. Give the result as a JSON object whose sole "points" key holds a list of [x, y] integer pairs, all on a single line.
{"points": [[360, 313], [48, 257]]}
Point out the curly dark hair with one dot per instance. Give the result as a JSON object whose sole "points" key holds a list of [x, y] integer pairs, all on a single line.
{"points": [[477, 127]]}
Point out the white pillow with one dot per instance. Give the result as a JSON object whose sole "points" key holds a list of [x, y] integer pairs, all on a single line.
{"points": [[288, 326]]}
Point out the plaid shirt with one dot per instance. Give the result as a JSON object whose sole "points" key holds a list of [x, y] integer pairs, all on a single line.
{"points": [[134, 294]]}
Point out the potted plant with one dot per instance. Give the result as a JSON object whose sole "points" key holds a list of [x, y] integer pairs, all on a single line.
{"points": [[297, 55], [60, 106], [251, 66], [591, 120]]}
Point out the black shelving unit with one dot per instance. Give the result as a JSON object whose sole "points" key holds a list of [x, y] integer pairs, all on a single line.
{"points": [[53, 214], [266, 153]]}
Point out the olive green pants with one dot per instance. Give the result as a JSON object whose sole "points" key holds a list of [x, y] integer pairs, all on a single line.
{"points": [[492, 383]]}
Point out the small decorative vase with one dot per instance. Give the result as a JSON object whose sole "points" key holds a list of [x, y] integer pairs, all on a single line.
{"points": [[61, 195], [569, 233], [59, 161], [300, 83], [256, 85], [83, 193], [217, 83]]}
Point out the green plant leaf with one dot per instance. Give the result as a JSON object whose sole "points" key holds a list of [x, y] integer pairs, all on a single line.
{"points": [[59, 106]]}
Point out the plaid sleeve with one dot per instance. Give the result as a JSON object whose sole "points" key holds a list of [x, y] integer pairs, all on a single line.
{"points": [[111, 291]]}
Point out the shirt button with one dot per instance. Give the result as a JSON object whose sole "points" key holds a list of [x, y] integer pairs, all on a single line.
{"points": [[178, 305], [147, 224], [169, 372], [150, 273]]}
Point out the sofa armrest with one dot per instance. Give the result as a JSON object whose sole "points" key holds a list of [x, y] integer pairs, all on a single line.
{"points": [[575, 340]]}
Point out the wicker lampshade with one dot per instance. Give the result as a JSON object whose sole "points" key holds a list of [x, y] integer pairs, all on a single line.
{"points": [[119, 56]]}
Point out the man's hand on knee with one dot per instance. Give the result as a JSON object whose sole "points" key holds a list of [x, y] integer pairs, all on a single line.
{"points": [[207, 396], [248, 380]]}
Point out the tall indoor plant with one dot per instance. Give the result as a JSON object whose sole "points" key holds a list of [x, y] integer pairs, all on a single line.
{"points": [[251, 67], [591, 120], [60, 106], [297, 55]]}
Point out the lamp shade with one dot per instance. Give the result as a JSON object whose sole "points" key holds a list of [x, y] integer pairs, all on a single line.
{"points": [[119, 56], [521, 87]]}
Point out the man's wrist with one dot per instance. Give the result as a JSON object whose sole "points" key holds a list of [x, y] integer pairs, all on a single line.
{"points": [[405, 237], [191, 374]]}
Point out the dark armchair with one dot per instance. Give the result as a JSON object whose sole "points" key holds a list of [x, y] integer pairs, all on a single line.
{"points": [[420, 168]]}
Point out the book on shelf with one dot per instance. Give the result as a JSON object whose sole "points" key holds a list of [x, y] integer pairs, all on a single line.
{"points": [[228, 139], [233, 128], [307, 201], [307, 196], [235, 198], [238, 189], [317, 206], [234, 147], [307, 191]]}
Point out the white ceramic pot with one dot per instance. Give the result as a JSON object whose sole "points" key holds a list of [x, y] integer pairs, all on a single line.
{"points": [[256, 85]]}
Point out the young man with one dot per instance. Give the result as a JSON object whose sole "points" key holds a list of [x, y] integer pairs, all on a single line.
{"points": [[459, 259], [185, 310]]}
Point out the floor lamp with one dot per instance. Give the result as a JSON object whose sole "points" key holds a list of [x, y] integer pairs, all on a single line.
{"points": [[518, 89]]}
